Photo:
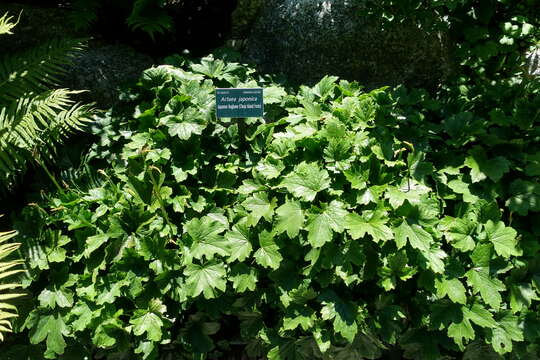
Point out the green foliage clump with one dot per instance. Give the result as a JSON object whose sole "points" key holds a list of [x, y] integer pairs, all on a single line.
{"points": [[33, 117], [345, 224]]}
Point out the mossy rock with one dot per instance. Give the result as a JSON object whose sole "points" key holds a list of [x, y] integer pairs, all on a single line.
{"points": [[304, 39], [104, 69]]}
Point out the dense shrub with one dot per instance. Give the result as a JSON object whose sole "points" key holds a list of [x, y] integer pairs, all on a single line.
{"points": [[343, 225]]}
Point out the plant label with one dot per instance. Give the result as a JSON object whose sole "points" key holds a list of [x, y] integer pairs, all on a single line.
{"points": [[239, 103]]}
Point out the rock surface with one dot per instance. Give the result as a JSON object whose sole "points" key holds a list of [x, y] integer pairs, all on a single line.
{"points": [[305, 39], [103, 69], [533, 62]]}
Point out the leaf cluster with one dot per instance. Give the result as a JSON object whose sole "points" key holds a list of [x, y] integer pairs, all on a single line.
{"points": [[344, 224]]}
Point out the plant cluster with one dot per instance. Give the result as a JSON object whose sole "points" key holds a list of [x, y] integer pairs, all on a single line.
{"points": [[345, 224]]}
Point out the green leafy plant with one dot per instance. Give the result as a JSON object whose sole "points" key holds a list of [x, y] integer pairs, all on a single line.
{"points": [[34, 118], [8, 268], [345, 224]]}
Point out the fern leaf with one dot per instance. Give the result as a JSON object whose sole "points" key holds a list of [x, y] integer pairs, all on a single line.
{"points": [[8, 311], [10, 264], [33, 126], [6, 162], [9, 287], [149, 17], [82, 178], [6, 235], [6, 23], [7, 249], [83, 13], [6, 306], [5, 315], [36, 70]]}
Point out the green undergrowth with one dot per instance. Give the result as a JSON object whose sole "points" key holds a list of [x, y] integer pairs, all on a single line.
{"points": [[343, 225]]}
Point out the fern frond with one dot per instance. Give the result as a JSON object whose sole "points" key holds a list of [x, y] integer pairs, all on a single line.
{"points": [[34, 119], [4, 316], [10, 264], [33, 126], [6, 235], [10, 296], [4, 329], [6, 249], [7, 269], [149, 17], [9, 287], [83, 13], [36, 70], [6, 306], [6, 23], [82, 178]]}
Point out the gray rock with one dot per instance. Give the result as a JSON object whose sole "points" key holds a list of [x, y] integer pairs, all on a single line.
{"points": [[103, 69], [306, 39], [533, 61]]}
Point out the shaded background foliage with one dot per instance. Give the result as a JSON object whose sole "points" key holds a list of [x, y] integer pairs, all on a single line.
{"points": [[199, 26]]}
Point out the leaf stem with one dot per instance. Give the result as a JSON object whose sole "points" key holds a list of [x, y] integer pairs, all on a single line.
{"points": [[242, 132], [51, 177], [160, 200]]}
